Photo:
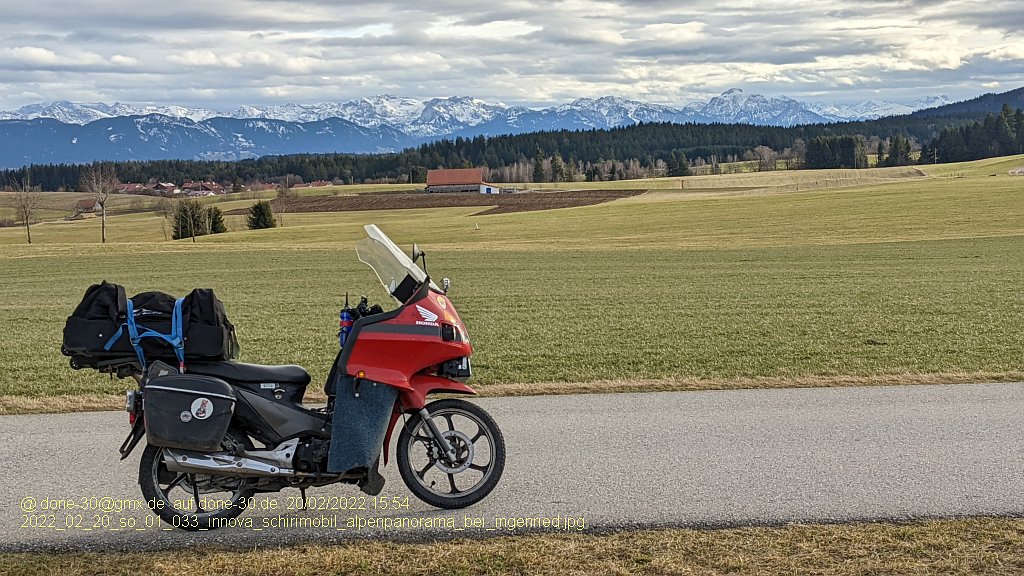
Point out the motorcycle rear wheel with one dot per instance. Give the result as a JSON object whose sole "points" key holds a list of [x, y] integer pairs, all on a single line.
{"points": [[480, 455], [194, 501]]}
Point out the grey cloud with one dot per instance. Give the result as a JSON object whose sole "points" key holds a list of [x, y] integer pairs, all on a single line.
{"points": [[196, 53], [105, 37]]}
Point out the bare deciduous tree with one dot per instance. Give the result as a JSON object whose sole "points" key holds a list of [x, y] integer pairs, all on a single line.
{"points": [[165, 208], [281, 209], [99, 181], [27, 200], [765, 157]]}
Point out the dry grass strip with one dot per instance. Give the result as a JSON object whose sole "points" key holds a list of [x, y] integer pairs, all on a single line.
{"points": [[992, 546]]}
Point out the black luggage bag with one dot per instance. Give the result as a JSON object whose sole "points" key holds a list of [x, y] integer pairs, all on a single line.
{"points": [[98, 330]]}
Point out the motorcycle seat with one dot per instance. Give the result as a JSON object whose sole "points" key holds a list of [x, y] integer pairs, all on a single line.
{"points": [[241, 372]]}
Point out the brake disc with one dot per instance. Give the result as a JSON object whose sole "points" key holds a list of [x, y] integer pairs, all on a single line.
{"points": [[463, 452]]}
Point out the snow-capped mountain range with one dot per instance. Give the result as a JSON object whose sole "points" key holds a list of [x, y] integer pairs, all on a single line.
{"points": [[439, 117], [78, 132]]}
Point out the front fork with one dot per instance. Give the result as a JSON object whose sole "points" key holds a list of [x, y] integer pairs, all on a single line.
{"points": [[446, 447]]}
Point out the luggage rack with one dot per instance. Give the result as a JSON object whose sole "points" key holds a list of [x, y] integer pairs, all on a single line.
{"points": [[126, 367]]}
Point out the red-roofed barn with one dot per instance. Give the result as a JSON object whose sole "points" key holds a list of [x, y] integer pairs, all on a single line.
{"points": [[459, 180]]}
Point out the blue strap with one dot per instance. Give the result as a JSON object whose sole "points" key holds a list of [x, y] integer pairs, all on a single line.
{"points": [[114, 338], [175, 338], [178, 334], [133, 333]]}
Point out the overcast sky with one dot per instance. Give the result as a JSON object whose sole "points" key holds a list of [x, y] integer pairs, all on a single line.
{"points": [[225, 53]]}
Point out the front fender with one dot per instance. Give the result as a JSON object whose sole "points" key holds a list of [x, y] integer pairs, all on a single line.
{"points": [[414, 399], [421, 385]]}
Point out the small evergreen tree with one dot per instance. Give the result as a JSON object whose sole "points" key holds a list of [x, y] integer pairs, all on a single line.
{"points": [[819, 153], [678, 165], [684, 165], [216, 220], [672, 164], [899, 151], [261, 216], [538, 166], [189, 220], [557, 168]]}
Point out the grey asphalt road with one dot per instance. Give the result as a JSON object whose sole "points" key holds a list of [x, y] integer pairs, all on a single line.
{"points": [[610, 461]]}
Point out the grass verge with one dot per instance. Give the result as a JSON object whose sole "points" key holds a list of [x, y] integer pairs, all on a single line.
{"points": [[11, 404], [970, 546]]}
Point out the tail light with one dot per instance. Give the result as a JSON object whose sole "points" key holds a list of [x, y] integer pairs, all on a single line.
{"points": [[133, 405]]}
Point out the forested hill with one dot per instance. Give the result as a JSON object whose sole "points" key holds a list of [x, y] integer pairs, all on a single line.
{"points": [[643, 144], [975, 107]]}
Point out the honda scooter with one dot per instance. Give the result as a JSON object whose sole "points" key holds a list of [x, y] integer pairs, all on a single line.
{"points": [[217, 433]]}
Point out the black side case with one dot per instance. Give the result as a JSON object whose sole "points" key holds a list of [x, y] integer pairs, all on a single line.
{"points": [[188, 411]]}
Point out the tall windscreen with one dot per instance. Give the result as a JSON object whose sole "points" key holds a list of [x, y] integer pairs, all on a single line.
{"points": [[391, 265]]}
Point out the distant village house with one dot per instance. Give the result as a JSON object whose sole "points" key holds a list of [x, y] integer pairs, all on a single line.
{"points": [[459, 180], [167, 188], [202, 188], [85, 206], [259, 186], [314, 184], [132, 188]]}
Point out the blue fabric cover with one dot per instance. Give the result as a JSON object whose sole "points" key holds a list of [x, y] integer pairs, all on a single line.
{"points": [[360, 423]]}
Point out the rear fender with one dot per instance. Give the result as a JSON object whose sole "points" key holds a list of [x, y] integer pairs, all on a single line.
{"points": [[137, 433], [414, 399]]}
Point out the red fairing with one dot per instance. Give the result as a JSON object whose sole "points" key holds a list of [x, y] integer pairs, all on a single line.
{"points": [[394, 350], [404, 350]]}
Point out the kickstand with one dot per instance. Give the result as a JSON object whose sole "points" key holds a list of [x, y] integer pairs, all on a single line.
{"points": [[303, 492]]}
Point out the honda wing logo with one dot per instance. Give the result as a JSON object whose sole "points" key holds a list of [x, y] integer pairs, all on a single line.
{"points": [[429, 318]]}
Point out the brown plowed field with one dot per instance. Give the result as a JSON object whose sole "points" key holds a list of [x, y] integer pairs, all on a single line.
{"points": [[499, 203]]}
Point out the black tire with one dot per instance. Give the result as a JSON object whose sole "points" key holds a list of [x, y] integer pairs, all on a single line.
{"points": [[416, 440], [152, 469]]}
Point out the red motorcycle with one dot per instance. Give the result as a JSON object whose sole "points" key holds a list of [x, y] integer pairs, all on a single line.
{"points": [[220, 432]]}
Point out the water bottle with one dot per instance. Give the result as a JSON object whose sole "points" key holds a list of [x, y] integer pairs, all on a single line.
{"points": [[344, 322]]}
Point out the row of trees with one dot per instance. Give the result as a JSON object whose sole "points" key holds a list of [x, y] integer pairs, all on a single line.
{"points": [[542, 168], [836, 152], [997, 135], [190, 218]]}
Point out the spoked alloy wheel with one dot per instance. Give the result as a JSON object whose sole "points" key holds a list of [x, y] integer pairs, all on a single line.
{"points": [[194, 501], [479, 455]]}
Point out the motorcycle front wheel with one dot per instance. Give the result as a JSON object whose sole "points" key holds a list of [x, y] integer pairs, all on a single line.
{"points": [[194, 501], [479, 455]]}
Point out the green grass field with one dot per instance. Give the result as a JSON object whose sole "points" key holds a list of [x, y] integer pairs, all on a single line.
{"points": [[880, 272]]}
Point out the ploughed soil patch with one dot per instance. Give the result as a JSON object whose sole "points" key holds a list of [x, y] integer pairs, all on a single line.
{"points": [[498, 203]]}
